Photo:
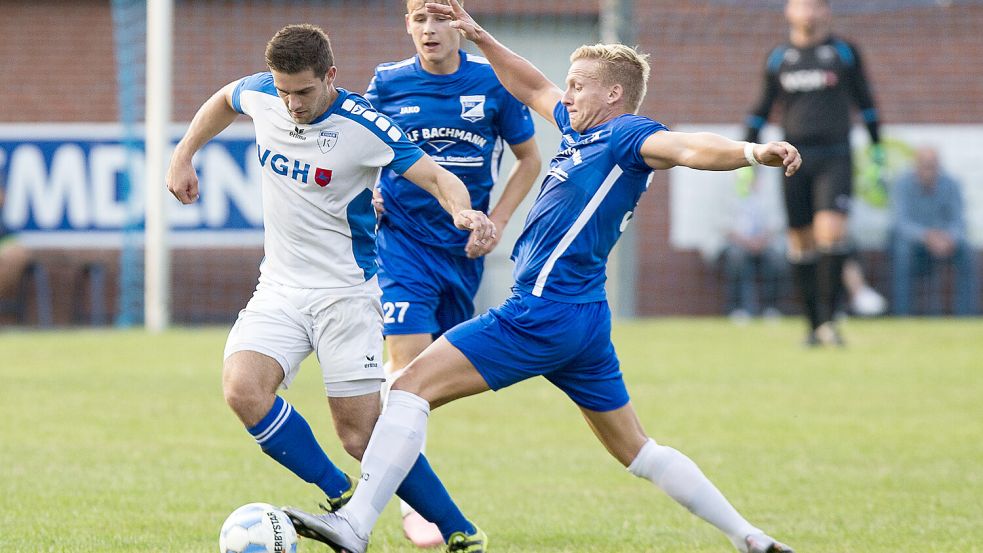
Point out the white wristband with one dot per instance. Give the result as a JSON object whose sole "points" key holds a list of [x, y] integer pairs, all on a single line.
{"points": [[749, 154]]}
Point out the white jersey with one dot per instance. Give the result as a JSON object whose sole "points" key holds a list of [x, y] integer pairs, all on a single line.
{"points": [[317, 184]]}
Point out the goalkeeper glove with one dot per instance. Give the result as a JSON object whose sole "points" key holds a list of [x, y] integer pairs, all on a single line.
{"points": [[873, 189], [877, 154]]}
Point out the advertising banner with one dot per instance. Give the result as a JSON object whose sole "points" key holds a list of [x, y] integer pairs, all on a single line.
{"points": [[69, 185]]}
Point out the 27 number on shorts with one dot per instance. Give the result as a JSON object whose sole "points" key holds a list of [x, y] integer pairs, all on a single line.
{"points": [[395, 312]]}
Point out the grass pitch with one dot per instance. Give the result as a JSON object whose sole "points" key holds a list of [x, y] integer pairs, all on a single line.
{"points": [[120, 442]]}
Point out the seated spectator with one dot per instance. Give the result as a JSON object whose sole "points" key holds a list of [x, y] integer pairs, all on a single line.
{"points": [[929, 231], [754, 255]]}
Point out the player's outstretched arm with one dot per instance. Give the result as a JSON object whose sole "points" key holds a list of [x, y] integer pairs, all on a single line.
{"points": [[709, 151], [454, 198], [520, 77], [212, 118]]}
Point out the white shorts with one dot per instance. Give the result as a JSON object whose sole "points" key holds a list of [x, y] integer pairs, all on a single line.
{"points": [[343, 329]]}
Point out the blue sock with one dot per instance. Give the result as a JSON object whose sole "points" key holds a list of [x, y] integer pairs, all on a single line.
{"points": [[423, 491], [285, 436]]}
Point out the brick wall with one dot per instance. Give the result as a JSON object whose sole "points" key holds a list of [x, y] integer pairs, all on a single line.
{"points": [[925, 64]]}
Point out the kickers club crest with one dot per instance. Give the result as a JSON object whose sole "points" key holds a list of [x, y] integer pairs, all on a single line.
{"points": [[327, 140], [473, 107]]}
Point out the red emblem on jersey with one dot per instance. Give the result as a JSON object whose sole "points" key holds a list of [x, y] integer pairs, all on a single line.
{"points": [[322, 177]]}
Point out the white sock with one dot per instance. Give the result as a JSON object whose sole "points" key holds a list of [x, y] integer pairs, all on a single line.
{"points": [[404, 507], [678, 476], [393, 449]]}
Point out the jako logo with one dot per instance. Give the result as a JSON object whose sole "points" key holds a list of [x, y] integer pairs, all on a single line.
{"points": [[409, 109], [281, 165]]}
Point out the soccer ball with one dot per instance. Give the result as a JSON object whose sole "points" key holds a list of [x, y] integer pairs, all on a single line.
{"points": [[257, 528]]}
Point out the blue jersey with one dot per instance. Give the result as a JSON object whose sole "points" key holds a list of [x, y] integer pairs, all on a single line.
{"points": [[460, 120], [585, 203]]}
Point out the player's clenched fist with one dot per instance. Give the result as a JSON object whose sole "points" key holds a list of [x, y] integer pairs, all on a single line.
{"points": [[779, 154], [182, 181], [482, 230]]}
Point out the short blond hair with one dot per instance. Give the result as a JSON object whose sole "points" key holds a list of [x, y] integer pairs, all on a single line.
{"points": [[622, 65], [416, 4]]}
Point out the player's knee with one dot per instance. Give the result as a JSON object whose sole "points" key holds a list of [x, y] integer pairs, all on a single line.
{"points": [[354, 442], [245, 398], [642, 463], [244, 405], [653, 459], [408, 380], [829, 231], [834, 245]]}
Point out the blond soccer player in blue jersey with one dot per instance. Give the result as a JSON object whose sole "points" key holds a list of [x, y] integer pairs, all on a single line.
{"points": [[557, 323]]}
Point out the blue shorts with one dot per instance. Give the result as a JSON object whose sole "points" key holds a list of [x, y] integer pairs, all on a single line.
{"points": [[425, 290], [567, 343]]}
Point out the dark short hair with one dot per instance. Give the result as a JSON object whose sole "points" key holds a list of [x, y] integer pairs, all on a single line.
{"points": [[296, 48]]}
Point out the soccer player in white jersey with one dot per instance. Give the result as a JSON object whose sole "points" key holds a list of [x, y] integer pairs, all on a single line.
{"points": [[321, 149], [451, 104], [557, 324]]}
